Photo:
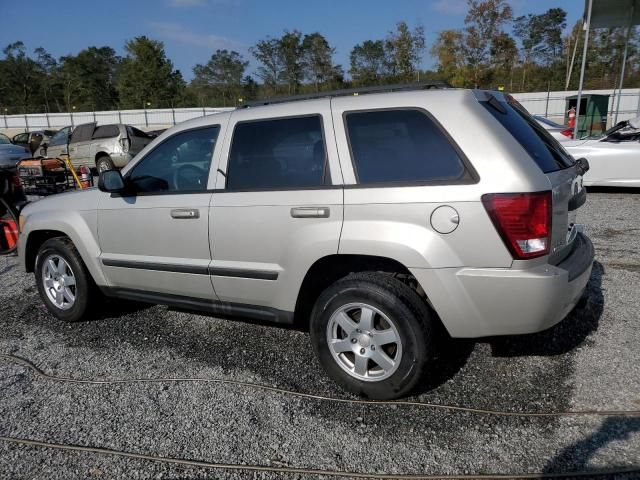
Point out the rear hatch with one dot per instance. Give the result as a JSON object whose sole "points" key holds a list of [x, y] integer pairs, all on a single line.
{"points": [[568, 194], [137, 139]]}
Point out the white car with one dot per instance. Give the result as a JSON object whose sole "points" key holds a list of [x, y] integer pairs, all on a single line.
{"points": [[614, 158], [562, 133]]}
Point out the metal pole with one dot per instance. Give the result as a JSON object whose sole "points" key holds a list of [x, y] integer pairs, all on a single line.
{"points": [[119, 116], [584, 62], [546, 107], [573, 58], [637, 109], [173, 115], [624, 61], [48, 122]]}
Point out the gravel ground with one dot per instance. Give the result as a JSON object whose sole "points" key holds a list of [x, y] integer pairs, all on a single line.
{"points": [[589, 361]]}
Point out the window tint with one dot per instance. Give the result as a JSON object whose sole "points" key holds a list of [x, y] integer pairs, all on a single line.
{"points": [[400, 146], [281, 153], [541, 146], [179, 164], [106, 131], [82, 133]]}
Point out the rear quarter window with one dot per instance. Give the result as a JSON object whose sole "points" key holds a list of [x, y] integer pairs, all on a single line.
{"points": [[541, 146], [106, 131], [401, 146]]}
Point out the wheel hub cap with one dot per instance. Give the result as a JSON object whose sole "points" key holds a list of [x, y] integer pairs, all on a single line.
{"points": [[59, 282], [364, 342]]}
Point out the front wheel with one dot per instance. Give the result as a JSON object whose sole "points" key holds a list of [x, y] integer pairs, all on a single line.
{"points": [[104, 164], [64, 283], [373, 335]]}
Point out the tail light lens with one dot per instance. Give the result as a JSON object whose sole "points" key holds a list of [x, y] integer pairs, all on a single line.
{"points": [[567, 132], [523, 220]]}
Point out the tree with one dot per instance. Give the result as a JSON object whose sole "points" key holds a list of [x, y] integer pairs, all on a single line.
{"points": [[404, 51], [448, 49], [88, 79], [267, 52], [484, 22], [541, 38], [317, 59], [222, 74], [146, 77], [291, 56], [368, 62], [20, 79]]}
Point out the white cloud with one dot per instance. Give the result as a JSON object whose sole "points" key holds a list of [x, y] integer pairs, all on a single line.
{"points": [[178, 33], [450, 7]]}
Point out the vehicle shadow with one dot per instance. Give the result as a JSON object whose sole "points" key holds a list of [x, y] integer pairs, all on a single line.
{"points": [[566, 335], [613, 190], [575, 457]]}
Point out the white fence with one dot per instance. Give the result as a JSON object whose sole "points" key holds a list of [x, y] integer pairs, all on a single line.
{"points": [[553, 104], [147, 119], [549, 104]]}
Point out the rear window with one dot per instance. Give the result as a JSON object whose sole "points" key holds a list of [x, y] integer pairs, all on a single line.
{"points": [[401, 146], [106, 131], [541, 146]]}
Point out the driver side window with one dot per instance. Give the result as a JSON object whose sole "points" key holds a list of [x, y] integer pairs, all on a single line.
{"points": [[179, 164]]}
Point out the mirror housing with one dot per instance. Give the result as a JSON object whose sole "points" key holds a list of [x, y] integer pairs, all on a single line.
{"points": [[111, 181]]}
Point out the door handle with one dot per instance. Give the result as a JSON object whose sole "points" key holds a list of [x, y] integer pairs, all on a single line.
{"points": [[310, 212], [185, 213]]}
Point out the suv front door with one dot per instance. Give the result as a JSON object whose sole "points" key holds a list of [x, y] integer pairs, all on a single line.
{"points": [[154, 237], [79, 144], [277, 207]]}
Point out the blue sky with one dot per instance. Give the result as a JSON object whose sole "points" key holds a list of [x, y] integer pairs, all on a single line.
{"points": [[193, 29]]}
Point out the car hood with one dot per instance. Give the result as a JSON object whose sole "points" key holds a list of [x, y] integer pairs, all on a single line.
{"points": [[74, 200], [12, 154]]}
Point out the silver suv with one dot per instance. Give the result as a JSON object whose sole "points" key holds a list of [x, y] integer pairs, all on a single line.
{"points": [[375, 218], [103, 147]]}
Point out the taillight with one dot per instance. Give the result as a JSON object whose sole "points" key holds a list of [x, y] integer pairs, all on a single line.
{"points": [[567, 132], [523, 220]]}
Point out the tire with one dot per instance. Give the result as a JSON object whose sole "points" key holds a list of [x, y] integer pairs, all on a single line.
{"points": [[104, 163], [397, 310], [68, 263]]}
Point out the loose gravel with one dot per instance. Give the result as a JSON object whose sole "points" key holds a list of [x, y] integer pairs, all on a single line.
{"points": [[589, 361]]}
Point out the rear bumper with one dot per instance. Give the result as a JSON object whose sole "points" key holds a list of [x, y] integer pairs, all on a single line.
{"points": [[479, 302]]}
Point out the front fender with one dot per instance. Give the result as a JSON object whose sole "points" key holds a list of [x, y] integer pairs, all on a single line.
{"points": [[79, 225]]}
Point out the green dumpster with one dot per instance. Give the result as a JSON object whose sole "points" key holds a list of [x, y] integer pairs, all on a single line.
{"points": [[593, 114]]}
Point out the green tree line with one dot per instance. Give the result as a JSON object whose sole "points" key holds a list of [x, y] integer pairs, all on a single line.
{"points": [[493, 49]]}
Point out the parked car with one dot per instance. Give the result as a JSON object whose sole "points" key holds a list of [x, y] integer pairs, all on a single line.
{"points": [[374, 218], [614, 158], [557, 131], [33, 140], [11, 154], [103, 147]]}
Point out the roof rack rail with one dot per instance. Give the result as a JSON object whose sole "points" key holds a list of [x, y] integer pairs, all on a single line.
{"points": [[402, 87]]}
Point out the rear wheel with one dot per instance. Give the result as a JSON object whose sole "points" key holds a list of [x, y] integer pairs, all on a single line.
{"points": [[104, 163], [64, 283], [373, 335]]}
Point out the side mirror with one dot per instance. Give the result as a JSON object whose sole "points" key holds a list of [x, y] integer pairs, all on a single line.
{"points": [[111, 181]]}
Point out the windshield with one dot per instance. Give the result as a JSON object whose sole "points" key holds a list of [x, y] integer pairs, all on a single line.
{"points": [[541, 146], [548, 122], [4, 140]]}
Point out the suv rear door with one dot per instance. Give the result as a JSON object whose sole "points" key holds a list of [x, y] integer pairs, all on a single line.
{"points": [[277, 207], [79, 145], [137, 140], [566, 185]]}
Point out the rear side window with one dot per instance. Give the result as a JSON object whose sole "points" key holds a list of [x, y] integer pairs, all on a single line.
{"points": [[541, 146], [401, 146], [277, 153], [82, 133], [106, 131]]}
